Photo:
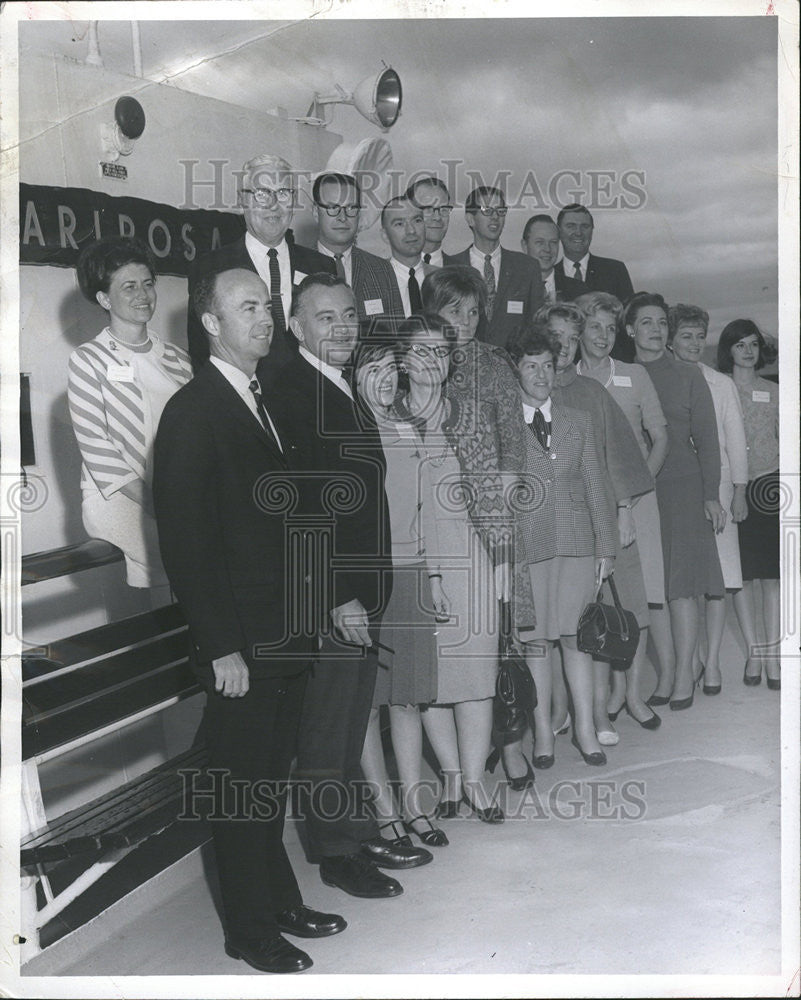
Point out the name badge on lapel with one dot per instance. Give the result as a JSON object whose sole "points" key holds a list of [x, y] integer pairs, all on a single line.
{"points": [[760, 396], [623, 380], [513, 306], [120, 373], [373, 307]]}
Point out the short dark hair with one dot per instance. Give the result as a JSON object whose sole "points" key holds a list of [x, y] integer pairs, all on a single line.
{"points": [[396, 202], [99, 261], [734, 332], [575, 207], [483, 191], [532, 339], [431, 179], [532, 220], [320, 279], [204, 294], [641, 300], [681, 315], [334, 178], [452, 284]]}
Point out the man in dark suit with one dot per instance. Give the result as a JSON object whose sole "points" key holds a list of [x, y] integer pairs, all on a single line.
{"points": [[404, 230], [541, 241], [599, 274], [513, 280], [343, 493], [337, 207], [267, 196], [226, 554], [432, 196]]}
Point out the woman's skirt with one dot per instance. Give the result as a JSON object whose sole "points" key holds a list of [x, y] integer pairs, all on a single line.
{"points": [[563, 586], [408, 674], [759, 532]]}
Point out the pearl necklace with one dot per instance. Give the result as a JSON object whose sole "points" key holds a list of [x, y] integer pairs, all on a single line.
{"points": [[608, 382], [126, 343]]}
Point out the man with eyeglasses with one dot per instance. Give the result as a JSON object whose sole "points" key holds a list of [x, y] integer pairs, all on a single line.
{"points": [[431, 195], [403, 228], [599, 274], [514, 281], [267, 194], [337, 208]]}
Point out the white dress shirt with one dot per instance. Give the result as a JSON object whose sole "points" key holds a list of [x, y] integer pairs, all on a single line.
{"points": [[258, 254], [550, 287], [436, 258], [347, 260], [332, 374], [477, 261], [569, 267], [545, 410], [241, 383], [402, 276]]}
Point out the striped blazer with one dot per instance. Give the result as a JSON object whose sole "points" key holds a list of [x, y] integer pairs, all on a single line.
{"points": [[111, 418], [564, 509]]}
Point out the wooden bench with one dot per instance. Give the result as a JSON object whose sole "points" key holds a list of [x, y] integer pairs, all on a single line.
{"points": [[76, 690]]}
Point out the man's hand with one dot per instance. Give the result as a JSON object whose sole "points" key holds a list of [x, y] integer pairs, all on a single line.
{"points": [[231, 675], [350, 621]]}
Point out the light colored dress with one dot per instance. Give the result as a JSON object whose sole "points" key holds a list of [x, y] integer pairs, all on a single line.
{"points": [[116, 397], [733, 468]]}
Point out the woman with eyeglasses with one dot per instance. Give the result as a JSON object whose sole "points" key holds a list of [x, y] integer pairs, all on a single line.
{"points": [[742, 351], [687, 490]]}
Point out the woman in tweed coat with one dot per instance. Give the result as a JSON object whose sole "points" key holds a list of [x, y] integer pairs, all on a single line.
{"points": [[118, 386]]}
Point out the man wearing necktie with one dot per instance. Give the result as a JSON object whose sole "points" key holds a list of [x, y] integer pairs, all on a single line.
{"points": [[403, 228], [541, 241], [431, 195], [513, 280], [599, 274], [225, 550], [337, 209], [267, 196]]}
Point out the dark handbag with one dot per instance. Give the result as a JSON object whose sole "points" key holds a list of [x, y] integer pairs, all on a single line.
{"points": [[608, 632], [515, 693]]}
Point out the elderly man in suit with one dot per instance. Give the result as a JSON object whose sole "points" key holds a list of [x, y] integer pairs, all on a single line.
{"points": [[432, 196], [267, 194], [336, 445], [403, 228], [513, 280], [541, 241], [217, 450], [337, 207], [599, 274]]}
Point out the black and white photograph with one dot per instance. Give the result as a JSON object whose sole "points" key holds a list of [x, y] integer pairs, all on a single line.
{"points": [[400, 499]]}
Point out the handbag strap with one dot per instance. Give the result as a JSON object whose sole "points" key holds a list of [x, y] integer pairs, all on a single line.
{"points": [[624, 627], [506, 619]]}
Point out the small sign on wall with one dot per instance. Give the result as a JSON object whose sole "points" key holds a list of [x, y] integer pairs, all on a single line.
{"points": [[116, 170]]}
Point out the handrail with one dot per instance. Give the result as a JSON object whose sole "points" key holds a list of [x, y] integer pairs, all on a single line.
{"points": [[53, 563]]}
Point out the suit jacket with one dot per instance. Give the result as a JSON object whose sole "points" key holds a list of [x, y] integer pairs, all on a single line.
{"points": [[373, 281], [342, 486], [604, 275], [519, 294], [568, 512], [303, 260], [567, 289], [427, 269], [222, 531]]}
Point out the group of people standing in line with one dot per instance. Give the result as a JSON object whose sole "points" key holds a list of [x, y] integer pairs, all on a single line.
{"points": [[371, 455]]}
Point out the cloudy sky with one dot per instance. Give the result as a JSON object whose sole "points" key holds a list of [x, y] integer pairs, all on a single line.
{"points": [[687, 104]]}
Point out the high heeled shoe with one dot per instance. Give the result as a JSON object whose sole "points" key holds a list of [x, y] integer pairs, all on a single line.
{"points": [[432, 837], [597, 758], [653, 723], [447, 809], [774, 683], [709, 689], [519, 784], [751, 680], [543, 761], [657, 699], [492, 814], [564, 727], [679, 704], [613, 715]]}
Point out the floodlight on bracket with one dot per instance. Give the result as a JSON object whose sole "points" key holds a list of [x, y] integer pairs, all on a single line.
{"points": [[376, 98]]}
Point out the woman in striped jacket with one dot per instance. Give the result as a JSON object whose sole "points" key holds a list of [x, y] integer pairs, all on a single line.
{"points": [[118, 386]]}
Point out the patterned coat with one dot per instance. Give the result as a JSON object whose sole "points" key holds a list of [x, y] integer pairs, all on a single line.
{"points": [[373, 281], [564, 509]]}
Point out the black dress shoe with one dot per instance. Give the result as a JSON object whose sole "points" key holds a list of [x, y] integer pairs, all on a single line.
{"points": [[396, 854], [679, 704], [302, 921], [543, 761], [597, 758], [658, 699], [356, 875], [431, 836], [492, 814], [751, 680], [273, 954], [653, 723], [447, 809], [523, 782]]}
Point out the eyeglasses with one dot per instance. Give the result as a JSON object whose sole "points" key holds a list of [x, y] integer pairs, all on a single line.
{"points": [[423, 350], [268, 196], [334, 210], [441, 210], [487, 212]]}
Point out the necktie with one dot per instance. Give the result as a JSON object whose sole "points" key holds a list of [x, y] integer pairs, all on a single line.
{"points": [[275, 290], [540, 428], [255, 388], [577, 271], [426, 258], [489, 280], [415, 302], [340, 266]]}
